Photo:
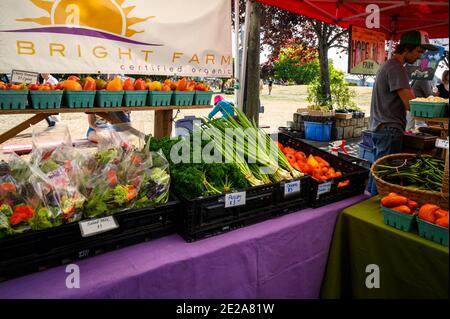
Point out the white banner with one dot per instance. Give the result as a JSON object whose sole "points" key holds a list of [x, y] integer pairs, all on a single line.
{"points": [[160, 37]]}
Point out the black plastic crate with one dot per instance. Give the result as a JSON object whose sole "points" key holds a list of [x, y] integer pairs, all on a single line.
{"points": [[207, 216], [356, 174], [37, 250], [288, 202], [355, 160]]}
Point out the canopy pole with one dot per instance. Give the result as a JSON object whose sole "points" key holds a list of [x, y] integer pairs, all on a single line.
{"points": [[244, 55], [236, 51]]}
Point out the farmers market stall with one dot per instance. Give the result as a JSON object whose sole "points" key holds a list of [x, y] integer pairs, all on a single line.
{"points": [[279, 258], [409, 266]]}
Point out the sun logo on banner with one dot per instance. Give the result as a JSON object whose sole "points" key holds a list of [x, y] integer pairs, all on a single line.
{"points": [[106, 19], [105, 15]]}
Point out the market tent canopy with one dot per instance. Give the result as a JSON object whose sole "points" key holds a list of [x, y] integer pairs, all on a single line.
{"points": [[396, 16]]}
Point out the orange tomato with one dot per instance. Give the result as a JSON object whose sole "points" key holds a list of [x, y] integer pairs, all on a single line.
{"points": [[300, 156], [115, 85], [139, 84], [90, 84], [71, 85], [182, 84], [128, 85]]}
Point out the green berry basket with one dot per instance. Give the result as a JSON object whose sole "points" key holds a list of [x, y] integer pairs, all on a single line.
{"points": [[433, 232], [398, 220], [135, 98], [41, 100], [183, 98], [159, 98], [428, 109], [109, 98], [78, 99], [13, 99], [203, 97]]}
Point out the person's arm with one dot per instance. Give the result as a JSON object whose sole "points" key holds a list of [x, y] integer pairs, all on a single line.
{"points": [[215, 110], [406, 95]]}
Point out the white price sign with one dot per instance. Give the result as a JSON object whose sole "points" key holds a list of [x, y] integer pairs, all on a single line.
{"points": [[323, 188], [18, 76], [442, 143], [235, 199], [96, 226], [291, 188]]}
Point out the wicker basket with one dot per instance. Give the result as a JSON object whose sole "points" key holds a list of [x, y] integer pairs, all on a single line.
{"points": [[445, 179], [420, 196]]}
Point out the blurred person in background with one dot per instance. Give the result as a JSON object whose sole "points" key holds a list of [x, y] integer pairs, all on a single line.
{"points": [[443, 87]]}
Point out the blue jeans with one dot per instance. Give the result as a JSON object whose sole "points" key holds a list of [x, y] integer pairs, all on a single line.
{"points": [[386, 141]]}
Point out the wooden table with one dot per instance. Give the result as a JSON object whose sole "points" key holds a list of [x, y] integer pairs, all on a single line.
{"points": [[162, 124], [442, 126], [442, 123]]}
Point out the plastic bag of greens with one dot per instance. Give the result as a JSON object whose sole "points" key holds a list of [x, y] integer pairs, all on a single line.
{"points": [[108, 193], [127, 137], [17, 202], [45, 141], [56, 183], [152, 173]]}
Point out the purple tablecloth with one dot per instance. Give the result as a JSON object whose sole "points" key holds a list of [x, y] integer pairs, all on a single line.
{"points": [[280, 258]]}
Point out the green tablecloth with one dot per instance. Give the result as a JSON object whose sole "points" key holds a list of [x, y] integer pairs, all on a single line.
{"points": [[409, 265]]}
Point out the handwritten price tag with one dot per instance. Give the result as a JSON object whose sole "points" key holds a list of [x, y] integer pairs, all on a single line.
{"points": [[323, 188], [442, 143], [96, 226], [235, 199], [291, 188], [24, 77]]}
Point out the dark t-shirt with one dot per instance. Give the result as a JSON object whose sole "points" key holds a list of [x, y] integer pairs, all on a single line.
{"points": [[443, 93], [270, 82], [422, 88], [387, 106]]}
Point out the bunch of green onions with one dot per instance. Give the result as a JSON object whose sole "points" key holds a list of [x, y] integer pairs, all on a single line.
{"points": [[273, 161]]}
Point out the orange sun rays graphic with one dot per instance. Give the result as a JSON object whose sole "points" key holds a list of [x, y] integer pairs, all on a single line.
{"points": [[105, 15]]}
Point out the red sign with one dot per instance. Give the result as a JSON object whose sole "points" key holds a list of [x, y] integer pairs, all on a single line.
{"points": [[367, 51]]}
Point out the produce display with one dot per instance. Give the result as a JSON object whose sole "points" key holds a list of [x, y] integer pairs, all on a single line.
{"points": [[10, 86], [179, 85], [434, 214], [399, 203], [256, 156], [192, 180], [420, 172], [65, 185], [428, 212], [312, 165], [431, 99]]}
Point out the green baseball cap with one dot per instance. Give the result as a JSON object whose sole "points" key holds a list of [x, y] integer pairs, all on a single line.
{"points": [[419, 38]]}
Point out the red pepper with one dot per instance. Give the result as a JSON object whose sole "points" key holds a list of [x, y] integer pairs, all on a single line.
{"points": [[8, 187], [21, 213], [112, 177]]}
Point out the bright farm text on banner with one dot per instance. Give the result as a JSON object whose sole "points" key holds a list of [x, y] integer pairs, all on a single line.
{"points": [[367, 51], [189, 38]]}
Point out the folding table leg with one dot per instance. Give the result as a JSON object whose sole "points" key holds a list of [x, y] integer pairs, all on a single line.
{"points": [[23, 126]]}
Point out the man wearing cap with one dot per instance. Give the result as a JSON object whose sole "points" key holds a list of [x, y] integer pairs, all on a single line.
{"points": [[391, 95], [223, 106]]}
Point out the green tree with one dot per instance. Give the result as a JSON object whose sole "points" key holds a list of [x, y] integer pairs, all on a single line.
{"points": [[296, 62], [341, 94]]}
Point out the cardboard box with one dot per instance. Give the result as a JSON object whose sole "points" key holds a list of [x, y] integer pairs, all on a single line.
{"points": [[343, 116]]}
